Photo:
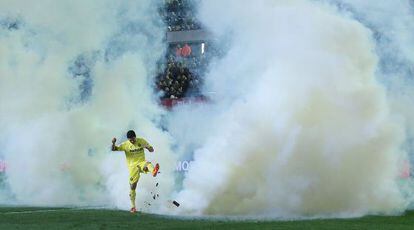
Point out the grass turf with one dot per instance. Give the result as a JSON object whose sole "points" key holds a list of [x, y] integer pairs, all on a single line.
{"points": [[66, 218]]}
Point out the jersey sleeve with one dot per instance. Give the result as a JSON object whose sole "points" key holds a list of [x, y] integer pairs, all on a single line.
{"points": [[144, 143], [121, 147]]}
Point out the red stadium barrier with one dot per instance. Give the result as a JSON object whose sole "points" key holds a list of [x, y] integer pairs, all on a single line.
{"points": [[171, 102], [2, 166], [405, 171]]}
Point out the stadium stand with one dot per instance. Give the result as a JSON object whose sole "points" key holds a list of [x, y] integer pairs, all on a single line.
{"points": [[180, 72]]}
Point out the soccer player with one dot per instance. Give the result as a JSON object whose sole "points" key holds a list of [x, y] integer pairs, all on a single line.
{"points": [[135, 157]]}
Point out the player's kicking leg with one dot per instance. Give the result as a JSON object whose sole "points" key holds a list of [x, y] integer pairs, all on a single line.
{"points": [[148, 167], [155, 170]]}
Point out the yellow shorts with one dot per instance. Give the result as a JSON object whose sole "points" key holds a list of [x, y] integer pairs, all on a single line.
{"points": [[136, 170]]}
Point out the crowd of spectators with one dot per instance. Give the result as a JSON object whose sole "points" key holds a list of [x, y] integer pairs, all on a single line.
{"points": [[191, 55], [178, 82], [180, 73], [180, 76], [179, 15], [181, 70]]}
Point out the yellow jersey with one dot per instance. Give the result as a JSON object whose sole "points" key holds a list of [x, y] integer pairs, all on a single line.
{"points": [[134, 152]]}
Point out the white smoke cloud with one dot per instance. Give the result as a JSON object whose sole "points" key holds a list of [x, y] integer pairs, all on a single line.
{"points": [[299, 126], [55, 145], [393, 23]]}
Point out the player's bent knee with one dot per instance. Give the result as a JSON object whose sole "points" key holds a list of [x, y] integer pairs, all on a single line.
{"points": [[133, 186]]}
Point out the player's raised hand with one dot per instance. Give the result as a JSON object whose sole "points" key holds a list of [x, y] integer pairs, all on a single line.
{"points": [[113, 147]]}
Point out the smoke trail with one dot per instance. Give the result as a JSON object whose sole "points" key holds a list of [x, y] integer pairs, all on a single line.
{"points": [[73, 74], [300, 125]]}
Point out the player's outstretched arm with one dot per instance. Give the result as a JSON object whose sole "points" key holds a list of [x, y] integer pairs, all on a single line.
{"points": [[114, 147]]}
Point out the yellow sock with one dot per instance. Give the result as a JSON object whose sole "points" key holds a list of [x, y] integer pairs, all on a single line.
{"points": [[150, 167], [132, 194]]}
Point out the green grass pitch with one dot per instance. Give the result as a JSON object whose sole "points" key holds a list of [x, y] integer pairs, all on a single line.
{"points": [[71, 218]]}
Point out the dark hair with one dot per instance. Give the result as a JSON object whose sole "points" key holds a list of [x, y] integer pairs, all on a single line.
{"points": [[131, 134]]}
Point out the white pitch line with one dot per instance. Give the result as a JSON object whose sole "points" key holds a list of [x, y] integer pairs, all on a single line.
{"points": [[47, 210], [34, 211]]}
